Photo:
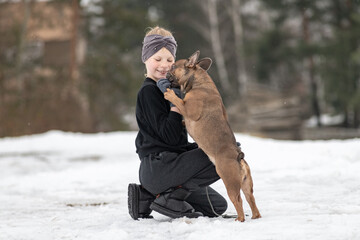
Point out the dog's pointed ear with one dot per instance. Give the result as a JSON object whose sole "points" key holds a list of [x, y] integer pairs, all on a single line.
{"points": [[193, 59], [205, 63]]}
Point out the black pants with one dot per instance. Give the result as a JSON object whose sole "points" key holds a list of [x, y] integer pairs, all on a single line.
{"points": [[192, 170]]}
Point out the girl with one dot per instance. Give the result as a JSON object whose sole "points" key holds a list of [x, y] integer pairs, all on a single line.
{"points": [[177, 172]]}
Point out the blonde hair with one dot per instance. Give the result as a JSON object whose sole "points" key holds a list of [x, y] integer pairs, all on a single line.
{"points": [[159, 31]]}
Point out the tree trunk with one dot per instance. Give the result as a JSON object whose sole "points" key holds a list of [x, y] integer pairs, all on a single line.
{"points": [[356, 118], [216, 46], [22, 37], [235, 13], [313, 85], [74, 36]]}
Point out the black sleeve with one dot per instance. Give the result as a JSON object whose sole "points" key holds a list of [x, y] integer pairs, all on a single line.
{"points": [[166, 124], [192, 146]]}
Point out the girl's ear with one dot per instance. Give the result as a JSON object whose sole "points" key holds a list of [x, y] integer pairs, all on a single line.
{"points": [[205, 63], [193, 59]]}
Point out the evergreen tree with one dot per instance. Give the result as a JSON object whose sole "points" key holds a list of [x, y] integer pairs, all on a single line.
{"points": [[341, 60], [326, 45], [114, 71]]}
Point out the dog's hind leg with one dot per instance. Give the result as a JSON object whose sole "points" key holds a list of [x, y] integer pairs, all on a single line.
{"points": [[247, 188], [230, 174]]}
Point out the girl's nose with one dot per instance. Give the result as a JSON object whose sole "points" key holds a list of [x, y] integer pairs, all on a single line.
{"points": [[165, 64]]}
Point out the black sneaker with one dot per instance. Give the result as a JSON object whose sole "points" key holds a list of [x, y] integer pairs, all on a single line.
{"points": [[173, 204]]}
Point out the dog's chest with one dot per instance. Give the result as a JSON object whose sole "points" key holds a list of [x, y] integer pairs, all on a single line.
{"points": [[190, 127]]}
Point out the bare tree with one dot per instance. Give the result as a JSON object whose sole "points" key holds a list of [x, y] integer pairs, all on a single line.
{"points": [[216, 45], [74, 38], [74, 87], [22, 36], [235, 12], [310, 63]]}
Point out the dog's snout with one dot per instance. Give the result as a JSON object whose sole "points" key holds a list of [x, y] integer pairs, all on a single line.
{"points": [[169, 76]]}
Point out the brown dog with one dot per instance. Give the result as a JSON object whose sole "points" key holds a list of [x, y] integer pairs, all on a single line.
{"points": [[206, 122]]}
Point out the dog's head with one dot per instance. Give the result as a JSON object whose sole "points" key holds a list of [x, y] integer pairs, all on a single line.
{"points": [[183, 72]]}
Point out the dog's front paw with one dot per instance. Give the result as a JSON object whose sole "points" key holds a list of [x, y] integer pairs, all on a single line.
{"points": [[169, 94]]}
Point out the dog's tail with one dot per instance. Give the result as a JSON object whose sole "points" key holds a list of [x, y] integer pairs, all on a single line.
{"points": [[241, 154], [244, 168]]}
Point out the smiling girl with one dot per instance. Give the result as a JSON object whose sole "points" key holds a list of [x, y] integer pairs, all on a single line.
{"points": [[173, 172]]}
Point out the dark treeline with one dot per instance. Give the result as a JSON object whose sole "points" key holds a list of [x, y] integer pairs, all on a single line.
{"points": [[295, 47]]}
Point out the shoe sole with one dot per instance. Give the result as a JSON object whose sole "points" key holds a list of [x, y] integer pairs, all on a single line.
{"points": [[133, 200], [172, 214]]}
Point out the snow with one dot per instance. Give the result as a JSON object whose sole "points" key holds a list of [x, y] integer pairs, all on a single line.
{"points": [[60, 185], [325, 119]]}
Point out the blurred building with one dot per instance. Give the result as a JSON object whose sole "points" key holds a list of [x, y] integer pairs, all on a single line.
{"points": [[41, 51], [46, 32]]}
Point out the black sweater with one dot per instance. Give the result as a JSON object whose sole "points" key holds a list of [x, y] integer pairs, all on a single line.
{"points": [[159, 128]]}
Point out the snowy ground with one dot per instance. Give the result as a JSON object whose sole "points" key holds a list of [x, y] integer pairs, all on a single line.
{"points": [[74, 186]]}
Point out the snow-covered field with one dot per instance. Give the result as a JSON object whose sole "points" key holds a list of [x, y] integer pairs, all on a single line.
{"points": [[74, 186]]}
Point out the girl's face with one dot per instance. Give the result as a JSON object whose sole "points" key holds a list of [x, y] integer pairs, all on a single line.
{"points": [[159, 64]]}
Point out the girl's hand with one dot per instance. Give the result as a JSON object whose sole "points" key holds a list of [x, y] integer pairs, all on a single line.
{"points": [[175, 109], [163, 84]]}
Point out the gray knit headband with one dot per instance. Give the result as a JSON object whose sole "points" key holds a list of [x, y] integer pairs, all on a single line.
{"points": [[153, 43]]}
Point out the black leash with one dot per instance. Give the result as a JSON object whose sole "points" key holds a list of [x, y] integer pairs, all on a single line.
{"points": [[212, 208]]}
